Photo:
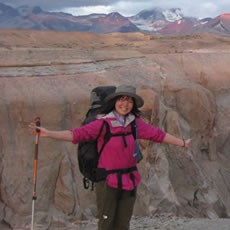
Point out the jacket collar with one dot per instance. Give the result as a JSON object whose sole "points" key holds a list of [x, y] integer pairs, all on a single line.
{"points": [[115, 123]]}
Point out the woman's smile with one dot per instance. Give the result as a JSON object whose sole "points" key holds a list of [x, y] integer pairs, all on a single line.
{"points": [[124, 105]]}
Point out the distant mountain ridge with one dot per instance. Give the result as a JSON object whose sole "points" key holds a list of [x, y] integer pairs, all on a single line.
{"points": [[153, 21]]}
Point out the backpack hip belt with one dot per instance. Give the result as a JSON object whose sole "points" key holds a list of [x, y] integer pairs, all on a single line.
{"points": [[102, 173]]}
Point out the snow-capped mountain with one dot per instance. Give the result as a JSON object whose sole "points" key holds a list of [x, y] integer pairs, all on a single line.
{"points": [[158, 20], [173, 14]]}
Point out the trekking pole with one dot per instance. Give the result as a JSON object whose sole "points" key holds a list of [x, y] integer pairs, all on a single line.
{"points": [[34, 194]]}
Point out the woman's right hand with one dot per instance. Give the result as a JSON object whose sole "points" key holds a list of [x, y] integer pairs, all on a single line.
{"points": [[42, 131], [64, 135]]}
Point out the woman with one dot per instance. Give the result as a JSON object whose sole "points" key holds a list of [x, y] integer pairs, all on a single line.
{"points": [[117, 193]]}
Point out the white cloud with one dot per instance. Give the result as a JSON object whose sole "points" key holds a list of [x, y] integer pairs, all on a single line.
{"points": [[85, 10], [130, 8], [124, 8], [197, 8], [207, 8]]}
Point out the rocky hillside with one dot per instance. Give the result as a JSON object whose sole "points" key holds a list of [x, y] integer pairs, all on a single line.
{"points": [[25, 17], [185, 83]]}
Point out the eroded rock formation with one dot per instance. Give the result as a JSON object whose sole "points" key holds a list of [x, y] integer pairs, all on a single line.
{"points": [[185, 82]]}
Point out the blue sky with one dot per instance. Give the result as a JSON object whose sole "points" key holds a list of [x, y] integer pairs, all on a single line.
{"points": [[197, 8]]}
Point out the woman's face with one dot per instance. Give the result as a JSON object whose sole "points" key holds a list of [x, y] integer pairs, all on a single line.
{"points": [[124, 105]]}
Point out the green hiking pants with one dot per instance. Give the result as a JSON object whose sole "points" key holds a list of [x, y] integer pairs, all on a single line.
{"points": [[115, 207]]}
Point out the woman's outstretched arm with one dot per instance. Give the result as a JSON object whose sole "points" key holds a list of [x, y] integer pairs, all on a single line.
{"points": [[170, 139], [64, 135]]}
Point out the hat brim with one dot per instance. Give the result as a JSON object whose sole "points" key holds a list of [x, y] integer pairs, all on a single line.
{"points": [[138, 100]]}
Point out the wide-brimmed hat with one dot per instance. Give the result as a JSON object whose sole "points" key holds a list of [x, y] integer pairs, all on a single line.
{"points": [[126, 90]]}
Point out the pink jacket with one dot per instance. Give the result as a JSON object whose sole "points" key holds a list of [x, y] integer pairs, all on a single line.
{"points": [[115, 154]]}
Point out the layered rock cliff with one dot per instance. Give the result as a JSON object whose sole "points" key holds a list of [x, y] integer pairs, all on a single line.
{"points": [[186, 86]]}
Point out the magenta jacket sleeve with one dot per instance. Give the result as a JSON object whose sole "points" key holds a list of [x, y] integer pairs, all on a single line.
{"points": [[87, 132], [149, 132]]}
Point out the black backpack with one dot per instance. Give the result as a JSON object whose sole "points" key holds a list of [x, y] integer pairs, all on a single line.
{"points": [[87, 151], [88, 154]]}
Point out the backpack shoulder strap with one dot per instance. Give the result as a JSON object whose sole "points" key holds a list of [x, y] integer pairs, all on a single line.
{"points": [[134, 129], [100, 131], [106, 136]]}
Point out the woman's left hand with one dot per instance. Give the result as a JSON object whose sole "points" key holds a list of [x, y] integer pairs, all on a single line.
{"points": [[187, 143]]}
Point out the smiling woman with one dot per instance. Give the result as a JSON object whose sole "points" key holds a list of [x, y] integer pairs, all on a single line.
{"points": [[117, 176]]}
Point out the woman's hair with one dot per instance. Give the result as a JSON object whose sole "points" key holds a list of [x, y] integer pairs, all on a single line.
{"points": [[110, 106]]}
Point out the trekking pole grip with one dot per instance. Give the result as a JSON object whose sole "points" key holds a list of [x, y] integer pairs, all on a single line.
{"points": [[38, 123]]}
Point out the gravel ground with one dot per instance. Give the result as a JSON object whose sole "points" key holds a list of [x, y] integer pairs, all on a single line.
{"points": [[147, 223]]}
